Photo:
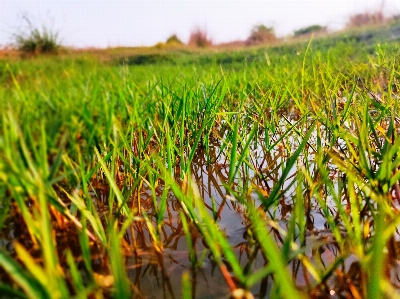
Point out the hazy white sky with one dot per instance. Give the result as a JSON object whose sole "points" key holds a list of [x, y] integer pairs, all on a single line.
{"points": [[103, 23]]}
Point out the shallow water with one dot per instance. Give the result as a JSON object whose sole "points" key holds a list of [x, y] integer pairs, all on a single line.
{"points": [[158, 274], [320, 246]]}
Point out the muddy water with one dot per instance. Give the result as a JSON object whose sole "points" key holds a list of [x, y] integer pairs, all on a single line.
{"points": [[159, 275]]}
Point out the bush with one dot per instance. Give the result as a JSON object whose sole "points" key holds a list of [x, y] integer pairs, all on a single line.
{"points": [[35, 40], [174, 40], [199, 39], [309, 30], [365, 19], [261, 34]]}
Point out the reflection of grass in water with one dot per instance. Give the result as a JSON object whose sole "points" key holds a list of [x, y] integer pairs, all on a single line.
{"points": [[141, 167]]}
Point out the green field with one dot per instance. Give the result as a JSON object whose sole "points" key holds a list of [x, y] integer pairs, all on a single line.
{"points": [[270, 172]]}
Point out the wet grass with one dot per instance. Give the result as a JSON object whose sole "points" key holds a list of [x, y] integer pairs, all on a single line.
{"points": [[275, 176]]}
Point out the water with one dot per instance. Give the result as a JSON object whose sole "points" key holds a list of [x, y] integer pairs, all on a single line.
{"points": [[158, 274]]}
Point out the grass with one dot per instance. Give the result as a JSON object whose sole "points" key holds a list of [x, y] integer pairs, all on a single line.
{"points": [[117, 177], [37, 39]]}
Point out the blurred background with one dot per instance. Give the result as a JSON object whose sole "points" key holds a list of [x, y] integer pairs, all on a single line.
{"points": [[101, 24]]}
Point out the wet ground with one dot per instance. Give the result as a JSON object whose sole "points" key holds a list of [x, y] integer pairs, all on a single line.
{"points": [[158, 273]]}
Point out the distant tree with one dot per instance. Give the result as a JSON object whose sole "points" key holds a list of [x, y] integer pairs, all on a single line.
{"points": [[310, 29], [173, 39], [261, 34], [198, 38]]}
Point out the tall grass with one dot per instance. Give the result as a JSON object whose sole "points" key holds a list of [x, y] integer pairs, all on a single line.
{"points": [[37, 39]]}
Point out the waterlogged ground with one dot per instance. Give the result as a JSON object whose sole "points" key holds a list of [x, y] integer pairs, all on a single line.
{"points": [[275, 175], [159, 275]]}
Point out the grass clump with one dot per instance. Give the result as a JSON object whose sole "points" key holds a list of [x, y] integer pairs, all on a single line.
{"points": [[37, 39]]}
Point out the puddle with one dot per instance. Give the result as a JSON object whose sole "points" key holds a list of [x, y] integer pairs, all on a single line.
{"points": [[321, 248], [159, 274]]}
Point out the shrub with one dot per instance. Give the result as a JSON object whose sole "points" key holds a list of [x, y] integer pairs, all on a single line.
{"points": [[309, 30], [174, 40], [261, 34], [199, 39], [365, 19], [37, 40]]}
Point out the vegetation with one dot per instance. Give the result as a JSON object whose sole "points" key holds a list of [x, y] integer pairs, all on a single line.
{"points": [[260, 35], [173, 39], [309, 30], [36, 40], [267, 172], [365, 19], [199, 38]]}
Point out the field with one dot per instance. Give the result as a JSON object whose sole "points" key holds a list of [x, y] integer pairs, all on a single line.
{"points": [[268, 172]]}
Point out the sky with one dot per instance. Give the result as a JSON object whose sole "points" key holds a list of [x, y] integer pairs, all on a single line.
{"points": [[111, 23]]}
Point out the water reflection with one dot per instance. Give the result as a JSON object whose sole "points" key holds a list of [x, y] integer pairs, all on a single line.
{"points": [[158, 273]]}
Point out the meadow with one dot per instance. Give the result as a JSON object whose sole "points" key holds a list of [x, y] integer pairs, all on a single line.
{"points": [[267, 172]]}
